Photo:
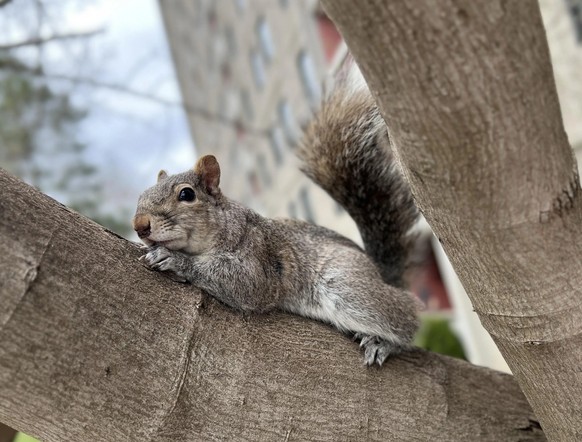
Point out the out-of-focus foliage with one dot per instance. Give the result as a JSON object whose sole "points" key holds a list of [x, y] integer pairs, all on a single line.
{"points": [[435, 334], [40, 124], [21, 437]]}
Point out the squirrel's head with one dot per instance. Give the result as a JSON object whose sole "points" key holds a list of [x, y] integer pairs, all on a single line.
{"points": [[180, 211]]}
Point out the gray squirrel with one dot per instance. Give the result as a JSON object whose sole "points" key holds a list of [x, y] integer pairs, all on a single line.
{"points": [[256, 264]]}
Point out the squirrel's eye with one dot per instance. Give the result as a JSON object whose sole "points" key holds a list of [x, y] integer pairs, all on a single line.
{"points": [[186, 194]]}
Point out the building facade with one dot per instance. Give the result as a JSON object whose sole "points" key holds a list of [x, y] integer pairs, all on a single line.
{"points": [[252, 74], [563, 22]]}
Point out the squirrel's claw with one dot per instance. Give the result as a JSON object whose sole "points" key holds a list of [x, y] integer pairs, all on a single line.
{"points": [[376, 349], [156, 256], [162, 266]]}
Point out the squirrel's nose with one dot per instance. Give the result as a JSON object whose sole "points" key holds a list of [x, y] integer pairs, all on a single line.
{"points": [[141, 224]]}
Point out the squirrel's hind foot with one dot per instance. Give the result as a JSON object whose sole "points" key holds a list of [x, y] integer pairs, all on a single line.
{"points": [[376, 349]]}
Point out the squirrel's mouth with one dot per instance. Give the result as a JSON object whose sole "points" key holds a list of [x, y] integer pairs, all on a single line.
{"points": [[163, 241], [170, 241], [166, 243]]}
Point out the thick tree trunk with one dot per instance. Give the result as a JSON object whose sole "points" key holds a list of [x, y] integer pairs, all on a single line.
{"points": [[93, 346], [467, 91]]}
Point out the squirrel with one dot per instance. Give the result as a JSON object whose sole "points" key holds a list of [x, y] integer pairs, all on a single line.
{"points": [[257, 264]]}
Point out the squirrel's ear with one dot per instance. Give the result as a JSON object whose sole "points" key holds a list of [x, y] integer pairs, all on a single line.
{"points": [[209, 171], [162, 175]]}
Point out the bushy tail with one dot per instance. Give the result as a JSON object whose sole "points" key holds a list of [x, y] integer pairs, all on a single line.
{"points": [[346, 151]]}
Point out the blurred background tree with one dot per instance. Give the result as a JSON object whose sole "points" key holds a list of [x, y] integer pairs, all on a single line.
{"points": [[39, 128], [39, 123], [89, 106]]}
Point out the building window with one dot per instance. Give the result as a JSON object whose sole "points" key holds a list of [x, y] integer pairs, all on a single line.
{"points": [[309, 78], [186, 37], [264, 170], [241, 5], [292, 210], [277, 145], [265, 40], [305, 201], [219, 47], [230, 41], [254, 183], [212, 20], [575, 7], [258, 69], [247, 105], [211, 56], [229, 104], [234, 155], [241, 132], [225, 72], [288, 123]]}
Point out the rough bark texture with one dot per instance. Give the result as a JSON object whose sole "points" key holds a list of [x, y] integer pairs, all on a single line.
{"points": [[467, 91], [93, 346]]}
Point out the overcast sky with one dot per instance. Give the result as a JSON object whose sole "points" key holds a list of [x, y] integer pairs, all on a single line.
{"points": [[134, 137], [131, 138]]}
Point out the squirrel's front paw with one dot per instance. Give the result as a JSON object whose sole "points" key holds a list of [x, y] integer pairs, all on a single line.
{"points": [[164, 260], [158, 258]]}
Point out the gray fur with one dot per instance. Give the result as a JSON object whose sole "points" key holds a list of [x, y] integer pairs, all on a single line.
{"points": [[257, 264], [346, 151]]}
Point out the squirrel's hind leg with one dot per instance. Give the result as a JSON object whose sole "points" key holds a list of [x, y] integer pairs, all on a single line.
{"points": [[376, 349], [356, 300]]}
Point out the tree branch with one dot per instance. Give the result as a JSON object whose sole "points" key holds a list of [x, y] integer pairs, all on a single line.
{"points": [[93, 346], [92, 82], [467, 91], [38, 41]]}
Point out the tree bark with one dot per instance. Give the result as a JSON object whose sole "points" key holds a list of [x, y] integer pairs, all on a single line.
{"points": [[467, 91], [93, 346]]}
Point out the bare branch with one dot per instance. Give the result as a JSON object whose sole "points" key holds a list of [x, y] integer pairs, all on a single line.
{"points": [[197, 112], [39, 41]]}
